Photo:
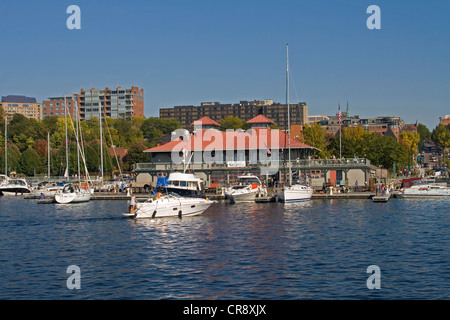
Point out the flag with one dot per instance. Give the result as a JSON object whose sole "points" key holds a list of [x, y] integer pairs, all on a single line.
{"points": [[267, 148], [185, 154], [339, 113], [66, 173]]}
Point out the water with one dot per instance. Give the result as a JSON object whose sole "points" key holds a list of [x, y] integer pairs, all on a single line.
{"points": [[314, 250]]}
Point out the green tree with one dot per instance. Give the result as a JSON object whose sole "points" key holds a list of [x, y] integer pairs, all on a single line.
{"points": [[231, 122], [30, 162], [441, 136], [136, 154], [154, 128], [13, 158], [314, 135], [424, 134]]}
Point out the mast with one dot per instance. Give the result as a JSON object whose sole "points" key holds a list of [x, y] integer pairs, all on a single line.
{"points": [[6, 145], [67, 142], [289, 115], [101, 141], [48, 155], [77, 120]]}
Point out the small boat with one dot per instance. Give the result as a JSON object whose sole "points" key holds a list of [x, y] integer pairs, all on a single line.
{"points": [[49, 189], [13, 186], [185, 185], [424, 190], [170, 205], [247, 189], [72, 193]]}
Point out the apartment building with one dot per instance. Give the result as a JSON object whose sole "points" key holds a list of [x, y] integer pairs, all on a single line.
{"points": [[26, 106], [54, 106], [244, 110], [115, 103]]}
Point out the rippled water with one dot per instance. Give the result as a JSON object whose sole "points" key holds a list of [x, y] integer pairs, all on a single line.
{"points": [[314, 250]]}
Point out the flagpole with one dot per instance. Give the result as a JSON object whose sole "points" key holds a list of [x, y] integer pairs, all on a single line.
{"points": [[67, 141], [340, 131]]}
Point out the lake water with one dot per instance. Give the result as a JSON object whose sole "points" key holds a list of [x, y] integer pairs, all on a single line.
{"points": [[319, 249]]}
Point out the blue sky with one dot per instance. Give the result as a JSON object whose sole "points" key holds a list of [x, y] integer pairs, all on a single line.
{"points": [[187, 52]]}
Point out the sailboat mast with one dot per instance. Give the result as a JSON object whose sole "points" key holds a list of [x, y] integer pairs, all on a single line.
{"points": [[6, 145], [67, 142], [77, 120], [288, 114], [101, 141], [48, 155]]}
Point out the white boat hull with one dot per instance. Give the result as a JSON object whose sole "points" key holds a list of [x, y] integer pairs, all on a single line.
{"points": [[426, 191], [74, 197], [167, 206], [295, 193], [241, 195]]}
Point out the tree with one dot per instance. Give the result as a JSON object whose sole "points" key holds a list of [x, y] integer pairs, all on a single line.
{"points": [[231, 122], [154, 128], [410, 140], [424, 134], [136, 154], [315, 136], [13, 158], [30, 162], [441, 136]]}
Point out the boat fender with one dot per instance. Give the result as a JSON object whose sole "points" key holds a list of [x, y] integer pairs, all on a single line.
{"points": [[179, 214], [154, 214]]}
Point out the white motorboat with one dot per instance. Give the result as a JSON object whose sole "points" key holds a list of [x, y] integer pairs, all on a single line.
{"points": [[424, 190], [185, 185], [170, 205], [72, 193], [247, 188], [13, 186], [295, 193]]}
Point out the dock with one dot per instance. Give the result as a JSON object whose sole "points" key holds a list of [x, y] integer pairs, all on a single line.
{"points": [[382, 198], [351, 195]]}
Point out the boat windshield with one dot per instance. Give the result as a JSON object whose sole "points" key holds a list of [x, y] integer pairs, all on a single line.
{"points": [[248, 181]]}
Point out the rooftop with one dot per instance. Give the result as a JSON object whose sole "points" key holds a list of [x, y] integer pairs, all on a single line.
{"points": [[18, 99]]}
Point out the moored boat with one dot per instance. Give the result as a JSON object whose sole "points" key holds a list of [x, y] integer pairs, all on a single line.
{"points": [[72, 193], [185, 185], [424, 190], [246, 189]]}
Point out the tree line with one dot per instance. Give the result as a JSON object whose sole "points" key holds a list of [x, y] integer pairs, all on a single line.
{"points": [[27, 141]]}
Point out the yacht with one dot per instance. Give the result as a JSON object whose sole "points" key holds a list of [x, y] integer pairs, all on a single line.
{"points": [[13, 186], [248, 187], [73, 193], [185, 185], [424, 190], [170, 205]]}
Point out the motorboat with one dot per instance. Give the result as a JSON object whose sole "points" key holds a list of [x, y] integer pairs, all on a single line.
{"points": [[73, 193], [424, 190], [13, 186], [185, 185], [295, 193], [170, 205], [248, 187]]}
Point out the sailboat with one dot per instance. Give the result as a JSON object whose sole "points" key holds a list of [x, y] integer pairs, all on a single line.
{"points": [[292, 192], [74, 192]]}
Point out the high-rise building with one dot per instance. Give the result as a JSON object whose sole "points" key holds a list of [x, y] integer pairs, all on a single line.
{"points": [[54, 106], [23, 105], [244, 110], [116, 103]]}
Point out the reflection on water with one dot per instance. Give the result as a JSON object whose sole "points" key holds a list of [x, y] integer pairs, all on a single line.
{"points": [[317, 249]]}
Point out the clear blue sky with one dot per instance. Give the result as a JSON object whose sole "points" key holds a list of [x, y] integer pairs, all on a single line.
{"points": [[187, 52]]}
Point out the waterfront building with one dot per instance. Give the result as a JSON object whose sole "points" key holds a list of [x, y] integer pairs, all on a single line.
{"points": [[26, 106], [379, 125], [244, 110]]}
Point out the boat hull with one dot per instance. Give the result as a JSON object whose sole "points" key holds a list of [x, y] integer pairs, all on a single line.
{"points": [[295, 194], [74, 197], [243, 196], [14, 191], [170, 207]]}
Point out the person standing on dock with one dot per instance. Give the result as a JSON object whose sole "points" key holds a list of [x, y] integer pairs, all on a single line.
{"points": [[356, 186]]}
